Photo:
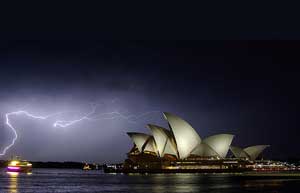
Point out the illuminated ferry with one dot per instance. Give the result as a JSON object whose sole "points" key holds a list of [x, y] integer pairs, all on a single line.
{"points": [[16, 165]]}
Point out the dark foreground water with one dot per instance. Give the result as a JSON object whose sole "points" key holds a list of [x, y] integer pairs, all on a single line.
{"points": [[52, 180]]}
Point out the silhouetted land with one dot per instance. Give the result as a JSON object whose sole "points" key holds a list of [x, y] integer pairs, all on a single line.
{"points": [[79, 165], [65, 165]]}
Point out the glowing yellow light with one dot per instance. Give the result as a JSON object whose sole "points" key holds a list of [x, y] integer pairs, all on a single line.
{"points": [[13, 173], [29, 164], [13, 163]]}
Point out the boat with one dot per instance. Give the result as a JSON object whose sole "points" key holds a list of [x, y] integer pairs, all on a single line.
{"points": [[17, 165]]}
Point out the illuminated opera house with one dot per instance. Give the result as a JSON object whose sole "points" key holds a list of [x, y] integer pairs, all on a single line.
{"points": [[181, 149]]}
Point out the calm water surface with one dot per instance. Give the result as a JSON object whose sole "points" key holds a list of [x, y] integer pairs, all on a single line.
{"points": [[54, 180]]}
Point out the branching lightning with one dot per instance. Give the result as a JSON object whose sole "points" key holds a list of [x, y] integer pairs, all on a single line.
{"points": [[91, 116], [7, 115], [62, 123]]}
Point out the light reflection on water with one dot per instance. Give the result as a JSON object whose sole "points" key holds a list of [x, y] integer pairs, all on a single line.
{"points": [[54, 180], [13, 181], [263, 183]]}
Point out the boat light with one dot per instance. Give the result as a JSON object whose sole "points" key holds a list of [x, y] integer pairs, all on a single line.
{"points": [[14, 163], [15, 168]]}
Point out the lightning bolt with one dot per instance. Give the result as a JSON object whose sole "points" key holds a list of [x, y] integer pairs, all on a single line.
{"points": [[7, 115], [91, 116], [130, 118], [62, 123]]}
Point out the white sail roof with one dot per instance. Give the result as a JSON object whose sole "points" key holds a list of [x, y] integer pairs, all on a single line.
{"points": [[216, 145], [254, 151], [139, 139], [204, 150], [170, 148], [186, 137], [150, 145], [182, 140], [251, 152], [237, 152], [163, 139], [219, 143]]}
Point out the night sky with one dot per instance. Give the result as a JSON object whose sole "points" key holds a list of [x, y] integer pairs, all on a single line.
{"points": [[222, 76]]}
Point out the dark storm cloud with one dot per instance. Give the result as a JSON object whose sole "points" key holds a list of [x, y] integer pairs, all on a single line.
{"points": [[239, 87]]}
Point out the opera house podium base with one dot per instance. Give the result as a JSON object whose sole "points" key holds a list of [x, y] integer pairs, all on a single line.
{"points": [[153, 171], [151, 164]]}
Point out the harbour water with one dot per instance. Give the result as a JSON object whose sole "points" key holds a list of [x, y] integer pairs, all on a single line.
{"points": [[68, 180]]}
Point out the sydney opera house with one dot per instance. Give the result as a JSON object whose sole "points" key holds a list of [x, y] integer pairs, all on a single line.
{"points": [[181, 149]]}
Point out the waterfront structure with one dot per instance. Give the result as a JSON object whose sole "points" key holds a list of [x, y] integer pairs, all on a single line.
{"points": [[181, 149], [182, 141]]}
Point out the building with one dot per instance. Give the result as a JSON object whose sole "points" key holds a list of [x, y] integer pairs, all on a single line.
{"points": [[181, 149]]}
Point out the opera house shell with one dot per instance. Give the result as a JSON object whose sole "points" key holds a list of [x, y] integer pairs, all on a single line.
{"points": [[182, 141], [251, 152]]}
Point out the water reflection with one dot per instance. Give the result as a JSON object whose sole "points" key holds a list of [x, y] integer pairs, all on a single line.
{"points": [[262, 183], [208, 183], [13, 182], [182, 183], [62, 181]]}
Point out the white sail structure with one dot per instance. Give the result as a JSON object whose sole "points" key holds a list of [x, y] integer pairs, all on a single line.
{"points": [[216, 145], [254, 151], [182, 141], [185, 136], [150, 145], [251, 152], [139, 139], [164, 140], [238, 152], [204, 150], [219, 143]]}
